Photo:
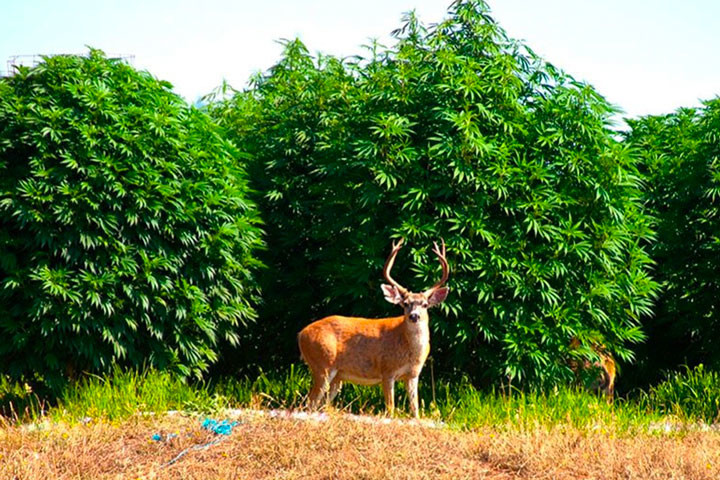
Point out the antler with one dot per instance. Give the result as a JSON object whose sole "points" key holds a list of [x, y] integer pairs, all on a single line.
{"points": [[443, 262], [396, 246]]}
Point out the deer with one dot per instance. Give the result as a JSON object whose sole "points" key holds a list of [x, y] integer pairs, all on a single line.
{"points": [[605, 366], [367, 351]]}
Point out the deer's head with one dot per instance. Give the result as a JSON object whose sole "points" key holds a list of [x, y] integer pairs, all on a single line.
{"points": [[415, 304]]}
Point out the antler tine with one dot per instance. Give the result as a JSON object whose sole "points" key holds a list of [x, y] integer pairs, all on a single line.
{"points": [[443, 262], [437, 250], [396, 246]]}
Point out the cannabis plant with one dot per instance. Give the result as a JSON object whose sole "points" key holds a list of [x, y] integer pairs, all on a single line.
{"points": [[126, 234], [458, 132]]}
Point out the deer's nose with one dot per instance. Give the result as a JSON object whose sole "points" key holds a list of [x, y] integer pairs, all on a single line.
{"points": [[414, 317]]}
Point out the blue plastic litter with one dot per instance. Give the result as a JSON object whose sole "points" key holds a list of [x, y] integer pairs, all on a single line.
{"points": [[218, 428], [157, 437], [221, 428]]}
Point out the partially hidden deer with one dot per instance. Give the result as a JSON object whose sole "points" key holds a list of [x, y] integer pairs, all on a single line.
{"points": [[368, 351], [604, 382]]}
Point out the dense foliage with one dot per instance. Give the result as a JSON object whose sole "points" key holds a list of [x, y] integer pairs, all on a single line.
{"points": [[454, 132], [126, 235], [680, 154]]}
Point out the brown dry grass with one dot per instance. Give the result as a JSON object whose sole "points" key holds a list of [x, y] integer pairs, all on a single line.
{"points": [[262, 448]]}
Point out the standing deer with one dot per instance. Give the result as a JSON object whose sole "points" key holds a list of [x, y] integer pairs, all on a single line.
{"points": [[369, 351]]}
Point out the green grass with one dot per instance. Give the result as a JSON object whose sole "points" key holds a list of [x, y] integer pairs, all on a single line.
{"points": [[458, 403], [688, 396], [468, 407], [18, 401], [126, 393], [692, 394]]}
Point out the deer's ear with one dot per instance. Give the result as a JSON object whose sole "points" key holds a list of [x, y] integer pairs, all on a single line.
{"points": [[438, 296], [392, 294]]}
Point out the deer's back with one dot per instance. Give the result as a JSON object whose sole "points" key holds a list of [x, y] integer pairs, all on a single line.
{"points": [[360, 349]]}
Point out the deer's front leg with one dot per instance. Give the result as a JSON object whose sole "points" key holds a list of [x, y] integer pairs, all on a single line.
{"points": [[388, 385], [412, 389]]}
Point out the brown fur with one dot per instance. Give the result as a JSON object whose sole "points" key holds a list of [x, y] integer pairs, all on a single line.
{"points": [[363, 351], [605, 383], [369, 351], [361, 347]]}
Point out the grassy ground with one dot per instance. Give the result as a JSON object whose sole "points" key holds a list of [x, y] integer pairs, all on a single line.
{"points": [[125, 394], [104, 428], [262, 447]]}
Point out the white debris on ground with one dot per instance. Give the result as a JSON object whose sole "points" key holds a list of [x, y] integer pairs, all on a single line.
{"points": [[301, 415], [679, 426]]}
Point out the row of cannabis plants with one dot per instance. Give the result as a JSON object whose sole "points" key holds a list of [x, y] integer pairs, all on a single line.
{"points": [[136, 230]]}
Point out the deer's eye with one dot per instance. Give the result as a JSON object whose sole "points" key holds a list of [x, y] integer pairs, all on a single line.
{"points": [[425, 305]]}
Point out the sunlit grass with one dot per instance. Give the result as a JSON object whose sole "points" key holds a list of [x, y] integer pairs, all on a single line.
{"points": [[572, 407], [126, 393], [123, 394]]}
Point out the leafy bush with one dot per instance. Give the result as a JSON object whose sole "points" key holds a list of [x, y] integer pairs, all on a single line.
{"points": [[694, 393], [680, 155], [455, 132], [126, 234]]}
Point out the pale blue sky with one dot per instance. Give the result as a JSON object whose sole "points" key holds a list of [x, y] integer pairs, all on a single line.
{"points": [[647, 56]]}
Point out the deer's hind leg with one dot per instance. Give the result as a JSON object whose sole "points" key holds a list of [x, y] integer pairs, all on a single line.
{"points": [[322, 381], [335, 386], [318, 388]]}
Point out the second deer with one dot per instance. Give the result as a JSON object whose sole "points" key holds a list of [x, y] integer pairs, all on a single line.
{"points": [[604, 369], [368, 351]]}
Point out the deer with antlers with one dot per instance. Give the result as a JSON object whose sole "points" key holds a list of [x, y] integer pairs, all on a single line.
{"points": [[370, 351]]}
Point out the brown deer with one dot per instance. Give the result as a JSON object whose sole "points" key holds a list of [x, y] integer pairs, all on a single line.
{"points": [[369, 351], [605, 381]]}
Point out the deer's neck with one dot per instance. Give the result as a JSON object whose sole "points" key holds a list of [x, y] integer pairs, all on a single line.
{"points": [[417, 336]]}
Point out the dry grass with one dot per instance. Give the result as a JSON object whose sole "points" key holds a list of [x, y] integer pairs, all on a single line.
{"points": [[571, 454], [262, 447]]}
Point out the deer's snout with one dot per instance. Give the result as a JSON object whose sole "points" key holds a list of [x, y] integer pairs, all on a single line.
{"points": [[414, 317]]}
